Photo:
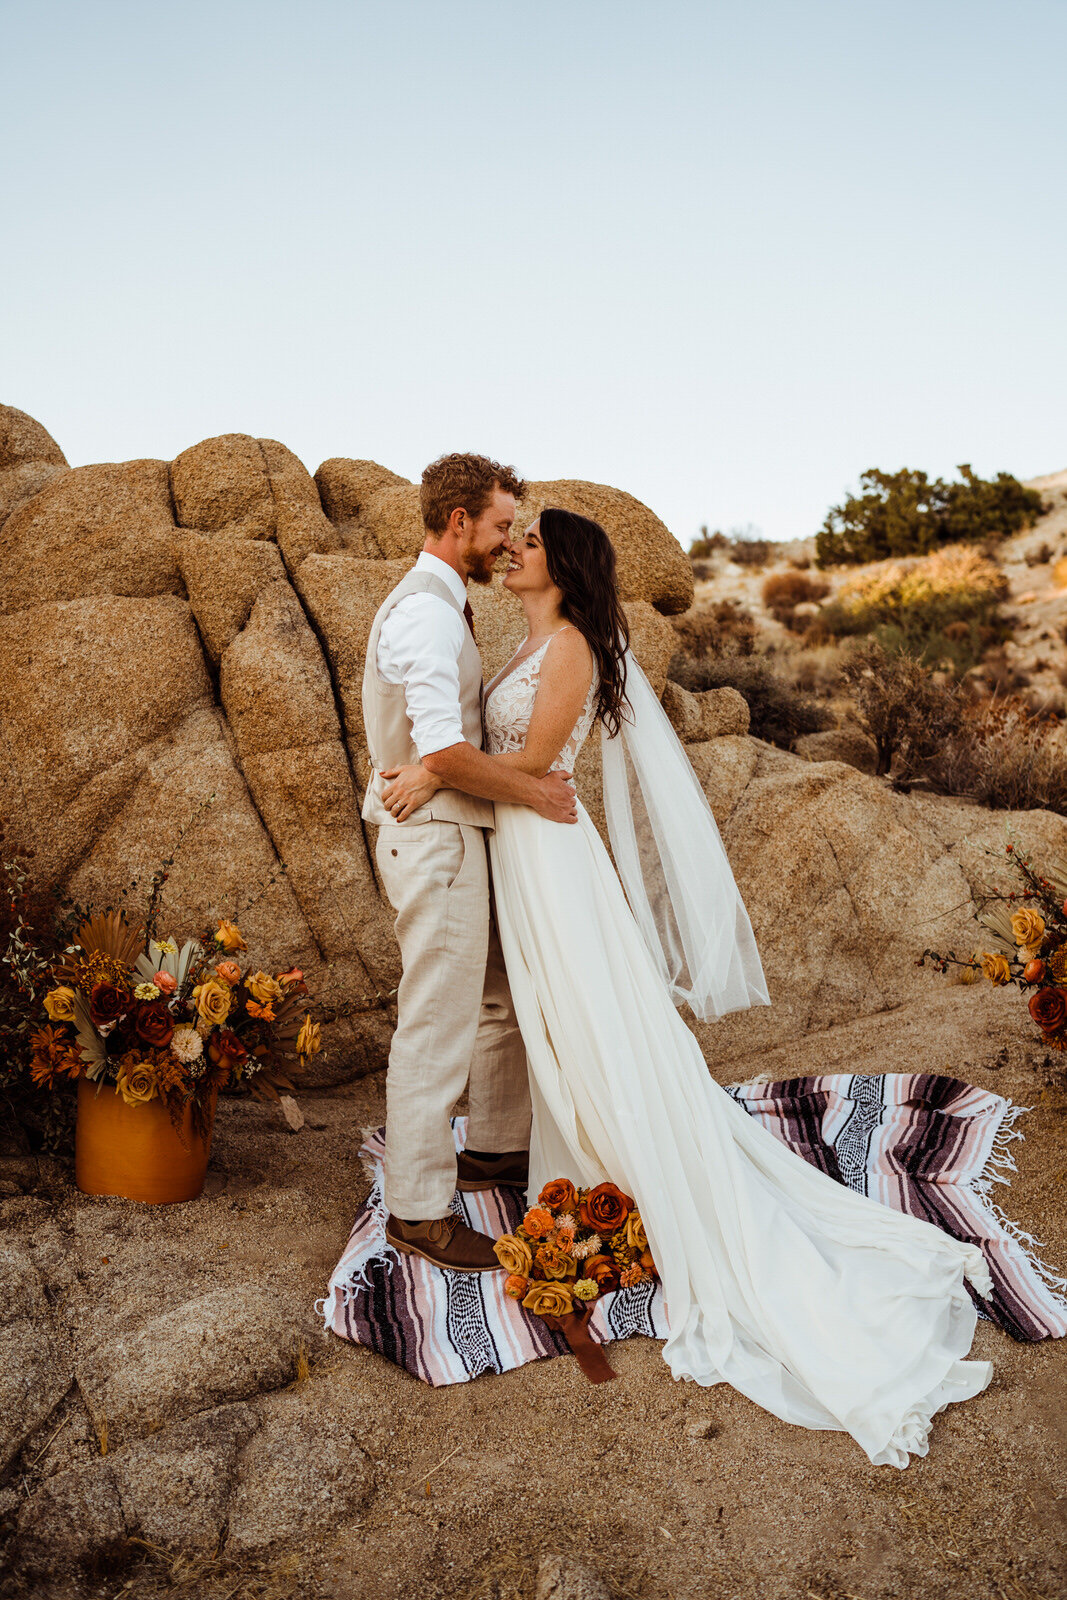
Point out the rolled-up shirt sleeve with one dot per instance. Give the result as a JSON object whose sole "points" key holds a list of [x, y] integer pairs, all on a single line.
{"points": [[419, 646]]}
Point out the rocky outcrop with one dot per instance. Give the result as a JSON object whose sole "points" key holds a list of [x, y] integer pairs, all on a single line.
{"points": [[29, 457], [182, 649], [105, 530]]}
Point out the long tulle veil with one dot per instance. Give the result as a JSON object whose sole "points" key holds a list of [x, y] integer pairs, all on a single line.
{"points": [[672, 863]]}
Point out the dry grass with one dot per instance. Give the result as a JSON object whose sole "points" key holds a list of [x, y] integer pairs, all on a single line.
{"points": [[1003, 754]]}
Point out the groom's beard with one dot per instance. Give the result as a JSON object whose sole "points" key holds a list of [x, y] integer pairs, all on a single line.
{"points": [[480, 565]]}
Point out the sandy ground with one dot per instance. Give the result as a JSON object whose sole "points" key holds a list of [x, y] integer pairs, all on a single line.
{"points": [[670, 1492]]}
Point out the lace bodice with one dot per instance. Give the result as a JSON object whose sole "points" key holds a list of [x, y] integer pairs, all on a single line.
{"points": [[507, 711]]}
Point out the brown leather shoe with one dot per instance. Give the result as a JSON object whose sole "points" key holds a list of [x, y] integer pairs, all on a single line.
{"points": [[512, 1169], [446, 1241]]}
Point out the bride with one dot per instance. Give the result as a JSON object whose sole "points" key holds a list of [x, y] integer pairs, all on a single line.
{"points": [[823, 1306]]}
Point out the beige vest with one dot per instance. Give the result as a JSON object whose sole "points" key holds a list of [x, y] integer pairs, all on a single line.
{"points": [[385, 717]]}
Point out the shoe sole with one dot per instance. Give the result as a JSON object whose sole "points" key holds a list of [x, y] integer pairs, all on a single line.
{"points": [[446, 1266], [476, 1185]]}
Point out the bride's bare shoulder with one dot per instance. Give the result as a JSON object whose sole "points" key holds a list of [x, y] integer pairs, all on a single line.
{"points": [[569, 651]]}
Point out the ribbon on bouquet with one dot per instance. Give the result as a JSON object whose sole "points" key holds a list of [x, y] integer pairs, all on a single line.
{"points": [[574, 1326]]}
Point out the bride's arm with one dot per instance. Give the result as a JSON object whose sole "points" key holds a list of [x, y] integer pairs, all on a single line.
{"points": [[562, 685]]}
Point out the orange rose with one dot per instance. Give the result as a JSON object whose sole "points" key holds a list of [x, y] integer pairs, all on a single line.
{"points": [[559, 1195], [556, 1263], [515, 1286], [538, 1222], [606, 1209], [229, 936], [229, 972], [603, 1271]]}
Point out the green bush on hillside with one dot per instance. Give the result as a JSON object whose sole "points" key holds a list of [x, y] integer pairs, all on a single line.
{"points": [[906, 513]]}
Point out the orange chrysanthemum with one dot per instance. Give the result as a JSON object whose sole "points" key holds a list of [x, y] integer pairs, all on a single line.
{"points": [[538, 1222]]}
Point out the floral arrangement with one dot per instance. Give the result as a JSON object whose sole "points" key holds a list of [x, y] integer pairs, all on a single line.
{"points": [[573, 1246], [136, 1011], [1030, 923]]}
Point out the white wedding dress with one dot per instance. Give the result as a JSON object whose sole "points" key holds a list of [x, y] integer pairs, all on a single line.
{"points": [[823, 1306]]}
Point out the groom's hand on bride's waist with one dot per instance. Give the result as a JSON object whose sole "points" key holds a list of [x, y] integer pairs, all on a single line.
{"points": [[561, 802]]}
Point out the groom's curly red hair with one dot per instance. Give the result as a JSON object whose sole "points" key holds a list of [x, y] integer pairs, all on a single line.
{"points": [[464, 482]]}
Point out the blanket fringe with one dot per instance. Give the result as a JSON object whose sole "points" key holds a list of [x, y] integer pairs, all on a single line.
{"points": [[375, 1249], [998, 1165]]}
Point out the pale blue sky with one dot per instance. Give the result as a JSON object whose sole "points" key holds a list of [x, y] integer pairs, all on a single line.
{"points": [[725, 256]]}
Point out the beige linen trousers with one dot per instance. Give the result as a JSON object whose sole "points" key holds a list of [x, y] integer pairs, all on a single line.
{"points": [[456, 1022]]}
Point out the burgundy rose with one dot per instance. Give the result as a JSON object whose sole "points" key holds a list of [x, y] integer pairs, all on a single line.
{"points": [[605, 1210], [153, 1023], [108, 1002], [227, 1046], [1048, 1007]]}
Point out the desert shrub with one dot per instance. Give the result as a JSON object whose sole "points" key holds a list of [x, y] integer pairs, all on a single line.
{"points": [[817, 671], [940, 607], [904, 708], [783, 591], [1003, 753], [724, 628], [779, 712], [1041, 556], [750, 552], [907, 513], [707, 544]]}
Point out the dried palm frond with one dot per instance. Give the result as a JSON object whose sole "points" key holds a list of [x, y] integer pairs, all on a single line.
{"points": [[1056, 873], [92, 1048], [998, 921], [109, 933]]}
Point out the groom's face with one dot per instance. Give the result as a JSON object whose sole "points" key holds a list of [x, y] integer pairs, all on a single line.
{"points": [[487, 537]]}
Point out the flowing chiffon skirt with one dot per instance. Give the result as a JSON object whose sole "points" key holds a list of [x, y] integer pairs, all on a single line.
{"points": [[821, 1305]]}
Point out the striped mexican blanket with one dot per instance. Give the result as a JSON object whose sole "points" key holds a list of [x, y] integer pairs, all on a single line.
{"points": [[926, 1144]]}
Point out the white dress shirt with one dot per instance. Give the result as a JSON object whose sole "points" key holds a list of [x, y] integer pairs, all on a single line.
{"points": [[418, 645]]}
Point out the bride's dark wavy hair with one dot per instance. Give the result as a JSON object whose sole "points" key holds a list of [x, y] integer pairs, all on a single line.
{"points": [[581, 563]]}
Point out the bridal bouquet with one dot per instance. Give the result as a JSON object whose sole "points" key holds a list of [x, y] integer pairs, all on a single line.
{"points": [[155, 1019], [573, 1246], [1030, 924]]}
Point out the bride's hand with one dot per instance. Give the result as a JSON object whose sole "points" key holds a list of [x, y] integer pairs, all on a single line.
{"points": [[408, 788]]}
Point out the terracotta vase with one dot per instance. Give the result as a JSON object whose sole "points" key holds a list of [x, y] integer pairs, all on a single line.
{"points": [[135, 1151]]}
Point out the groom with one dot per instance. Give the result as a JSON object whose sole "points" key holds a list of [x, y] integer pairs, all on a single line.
{"points": [[422, 689]]}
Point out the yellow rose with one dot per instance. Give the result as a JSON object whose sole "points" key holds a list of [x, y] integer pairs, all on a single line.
{"points": [[229, 936], [137, 1083], [514, 1255], [264, 988], [635, 1232], [995, 967], [212, 1002], [309, 1039], [549, 1299], [59, 1003], [1028, 926]]}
